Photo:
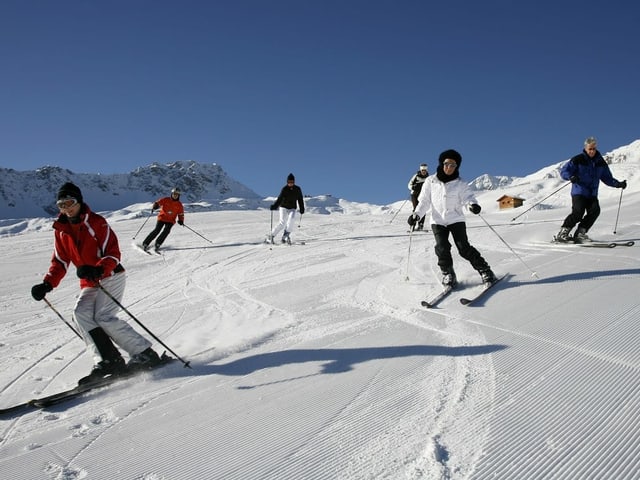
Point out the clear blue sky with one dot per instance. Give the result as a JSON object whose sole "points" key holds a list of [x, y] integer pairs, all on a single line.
{"points": [[349, 95]]}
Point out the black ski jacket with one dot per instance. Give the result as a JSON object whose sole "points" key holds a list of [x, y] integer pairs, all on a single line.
{"points": [[289, 196]]}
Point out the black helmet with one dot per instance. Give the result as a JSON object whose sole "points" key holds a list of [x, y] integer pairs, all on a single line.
{"points": [[175, 190]]}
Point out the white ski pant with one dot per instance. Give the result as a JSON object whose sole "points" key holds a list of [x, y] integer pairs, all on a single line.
{"points": [[286, 220], [95, 309]]}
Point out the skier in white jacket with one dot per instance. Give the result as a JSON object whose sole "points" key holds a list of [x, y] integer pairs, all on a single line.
{"points": [[446, 194]]}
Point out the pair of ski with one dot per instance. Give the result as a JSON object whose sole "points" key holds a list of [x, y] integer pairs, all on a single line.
{"points": [[79, 390], [596, 244], [150, 251], [286, 242], [463, 300]]}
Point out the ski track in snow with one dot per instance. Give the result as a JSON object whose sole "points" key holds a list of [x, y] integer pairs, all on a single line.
{"points": [[318, 362]]}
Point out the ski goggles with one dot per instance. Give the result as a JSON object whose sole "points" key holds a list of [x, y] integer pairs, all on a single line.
{"points": [[66, 203]]}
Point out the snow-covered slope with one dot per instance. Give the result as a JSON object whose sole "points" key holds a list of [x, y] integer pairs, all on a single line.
{"points": [[317, 361]]}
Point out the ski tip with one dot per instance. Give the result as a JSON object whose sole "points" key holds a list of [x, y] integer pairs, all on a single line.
{"points": [[465, 301], [426, 304]]}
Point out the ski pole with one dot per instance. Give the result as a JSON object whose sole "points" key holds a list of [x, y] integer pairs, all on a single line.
{"points": [[185, 225], [300, 221], [401, 206], [406, 279], [534, 206], [62, 318], [143, 224], [533, 273], [186, 364], [615, 228]]}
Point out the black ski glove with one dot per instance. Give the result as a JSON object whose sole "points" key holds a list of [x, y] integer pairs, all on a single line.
{"points": [[413, 219], [475, 208], [180, 222], [622, 184], [302, 211], [89, 272], [273, 207], [574, 179], [39, 291]]}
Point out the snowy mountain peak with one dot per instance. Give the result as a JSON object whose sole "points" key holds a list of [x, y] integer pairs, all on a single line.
{"points": [[32, 193]]}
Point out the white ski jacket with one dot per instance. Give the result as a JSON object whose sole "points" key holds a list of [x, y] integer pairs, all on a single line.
{"points": [[446, 200]]}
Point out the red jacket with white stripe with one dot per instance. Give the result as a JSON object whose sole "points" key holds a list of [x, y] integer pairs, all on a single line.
{"points": [[91, 241]]}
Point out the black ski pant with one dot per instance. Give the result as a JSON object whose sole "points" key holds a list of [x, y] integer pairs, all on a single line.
{"points": [[579, 205], [443, 247], [414, 202], [165, 227]]}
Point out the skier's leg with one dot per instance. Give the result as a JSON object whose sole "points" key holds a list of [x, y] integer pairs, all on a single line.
{"points": [[281, 223], [165, 233], [152, 234], [291, 214], [106, 311], [593, 212], [442, 247], [466, 250], [578, 207]]}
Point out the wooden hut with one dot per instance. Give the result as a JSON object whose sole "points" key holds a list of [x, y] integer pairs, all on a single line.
{"points": [[507, 201]]}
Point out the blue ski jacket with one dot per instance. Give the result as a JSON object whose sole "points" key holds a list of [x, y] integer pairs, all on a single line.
{"points": [[590, 172]]}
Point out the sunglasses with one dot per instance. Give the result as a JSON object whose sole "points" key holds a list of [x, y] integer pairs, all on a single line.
{"points": [[66, 203], [450, 164]]}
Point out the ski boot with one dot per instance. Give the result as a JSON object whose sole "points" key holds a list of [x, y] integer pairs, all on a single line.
{"points": [[449, 279], [581, 236], [144, 360], [487, 277], [104, 369], [563, 235]]}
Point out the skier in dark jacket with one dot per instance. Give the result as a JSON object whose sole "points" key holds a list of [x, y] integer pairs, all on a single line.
{"points": [[415, 186], [290, 195], [585, 171]]}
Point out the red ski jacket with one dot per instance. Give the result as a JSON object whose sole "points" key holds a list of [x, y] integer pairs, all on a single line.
{"points": [[88, 242], [169, 210]]}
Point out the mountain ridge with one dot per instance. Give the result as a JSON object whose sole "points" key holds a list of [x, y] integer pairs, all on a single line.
{"points": [[32, 193]]}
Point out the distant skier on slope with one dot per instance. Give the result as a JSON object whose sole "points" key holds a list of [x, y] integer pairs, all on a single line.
{"points": [[585, 171], [290, 195], [445, 194], [415, 187], [85, 239], [170, 209]]}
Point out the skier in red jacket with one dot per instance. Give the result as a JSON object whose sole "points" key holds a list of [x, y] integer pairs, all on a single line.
{"points": [[85, 239], [170, 209]]}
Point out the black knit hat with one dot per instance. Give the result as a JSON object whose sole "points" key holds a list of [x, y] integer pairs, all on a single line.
{"points": [[452, 154], [291, 178], [70, 190]]}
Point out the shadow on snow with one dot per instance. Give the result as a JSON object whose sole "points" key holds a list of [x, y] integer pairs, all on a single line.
{"points": [[338, 360]]}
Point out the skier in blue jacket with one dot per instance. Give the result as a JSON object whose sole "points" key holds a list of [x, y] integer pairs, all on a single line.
{"points": [[585, 171]]}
